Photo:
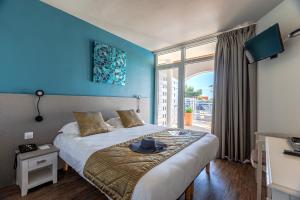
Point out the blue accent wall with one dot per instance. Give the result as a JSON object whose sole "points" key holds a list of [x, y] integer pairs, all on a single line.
{"points": [[42, 47]]}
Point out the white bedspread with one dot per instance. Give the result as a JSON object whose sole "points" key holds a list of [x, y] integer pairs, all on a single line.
{"points": [[167, 181]]}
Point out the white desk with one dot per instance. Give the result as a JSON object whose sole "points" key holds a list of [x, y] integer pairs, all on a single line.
{"points": [[283, 171]]}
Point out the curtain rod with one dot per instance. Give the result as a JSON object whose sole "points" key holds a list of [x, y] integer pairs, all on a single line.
{"points": [[236, 28], [207, 39]]}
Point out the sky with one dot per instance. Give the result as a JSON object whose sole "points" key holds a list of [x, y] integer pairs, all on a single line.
{"points": [[202, 81]]}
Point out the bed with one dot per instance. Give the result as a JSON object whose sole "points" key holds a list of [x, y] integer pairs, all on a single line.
{"points": [[167, 181]]}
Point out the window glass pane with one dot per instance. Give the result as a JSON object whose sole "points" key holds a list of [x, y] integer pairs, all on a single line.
{"points": [[198, 99], [201, 51], [169, 58], [167, 98]]}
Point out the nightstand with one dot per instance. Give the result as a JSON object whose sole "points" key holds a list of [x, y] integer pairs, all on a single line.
{"points": [[36, 167]]}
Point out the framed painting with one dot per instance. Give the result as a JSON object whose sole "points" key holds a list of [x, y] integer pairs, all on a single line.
{"points": [[109, 64]]}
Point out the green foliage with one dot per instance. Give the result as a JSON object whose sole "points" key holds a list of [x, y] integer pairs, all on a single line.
{"points": [[189, 110], [199, 98], [190, 92]]}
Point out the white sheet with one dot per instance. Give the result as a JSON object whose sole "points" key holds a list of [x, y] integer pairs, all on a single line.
{"points": [[167, 181]]}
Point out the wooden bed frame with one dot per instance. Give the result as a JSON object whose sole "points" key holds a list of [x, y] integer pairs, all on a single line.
{"points": [[189, 192]]}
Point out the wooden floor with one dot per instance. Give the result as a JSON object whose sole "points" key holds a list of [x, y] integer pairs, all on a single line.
{"points": [[227, 181]]}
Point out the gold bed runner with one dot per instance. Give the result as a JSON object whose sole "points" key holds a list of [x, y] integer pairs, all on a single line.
{"points": [[116, 170]]}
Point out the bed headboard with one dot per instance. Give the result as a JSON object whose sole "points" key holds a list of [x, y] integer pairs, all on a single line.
{"points": [[17, 113]]}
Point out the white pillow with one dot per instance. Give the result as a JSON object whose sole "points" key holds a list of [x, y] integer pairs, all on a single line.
{"points": [[72, 128], [108, 125], [115, 122]]}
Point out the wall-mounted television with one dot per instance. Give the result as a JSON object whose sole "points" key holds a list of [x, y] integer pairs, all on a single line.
{"points": [[267, 44]]}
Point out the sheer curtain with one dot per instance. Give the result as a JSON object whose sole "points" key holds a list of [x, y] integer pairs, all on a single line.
{"points": [[235, 93]]}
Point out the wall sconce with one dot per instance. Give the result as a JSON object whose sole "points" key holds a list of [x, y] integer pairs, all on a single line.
{"points": [[138, 98], [39, 94], [294, 33]]}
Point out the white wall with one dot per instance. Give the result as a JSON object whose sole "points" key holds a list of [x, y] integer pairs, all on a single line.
{"points": [[279, 79]]}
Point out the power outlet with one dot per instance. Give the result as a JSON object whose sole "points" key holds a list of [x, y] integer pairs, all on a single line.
{"points": [[28, 135]]}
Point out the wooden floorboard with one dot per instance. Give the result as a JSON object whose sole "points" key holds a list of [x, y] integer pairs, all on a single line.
{"points": [[227, 181]]}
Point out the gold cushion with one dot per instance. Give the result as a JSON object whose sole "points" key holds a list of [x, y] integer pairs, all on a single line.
{"points": [[129, 118], [90, 123]]}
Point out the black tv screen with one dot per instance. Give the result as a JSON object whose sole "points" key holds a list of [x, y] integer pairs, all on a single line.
{"points": [[264, 45]]}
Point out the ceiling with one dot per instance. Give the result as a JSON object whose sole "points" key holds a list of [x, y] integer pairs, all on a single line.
{"points": [[155, 24]]}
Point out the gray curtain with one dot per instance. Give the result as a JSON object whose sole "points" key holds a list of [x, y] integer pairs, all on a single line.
{"points": [[235, 93]]}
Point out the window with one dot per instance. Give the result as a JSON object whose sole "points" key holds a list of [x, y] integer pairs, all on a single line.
{"points": [[174, 97]]}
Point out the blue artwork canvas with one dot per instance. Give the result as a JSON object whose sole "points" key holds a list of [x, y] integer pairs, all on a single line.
{"points": [[109, 64]]}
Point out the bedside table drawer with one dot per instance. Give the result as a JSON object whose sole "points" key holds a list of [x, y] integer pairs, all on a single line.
{"points": [[41, 161]]}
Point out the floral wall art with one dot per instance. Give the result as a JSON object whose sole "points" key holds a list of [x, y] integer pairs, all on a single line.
{"points": [[109, 64]]}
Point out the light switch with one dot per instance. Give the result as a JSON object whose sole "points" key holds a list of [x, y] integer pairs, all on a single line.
{"points": [[28, 135]]}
